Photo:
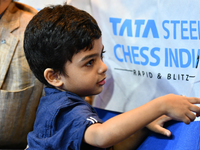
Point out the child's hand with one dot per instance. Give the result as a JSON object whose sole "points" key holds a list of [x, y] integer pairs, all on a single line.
{"points": [[122, 126], [181, 108], [157, 125]]}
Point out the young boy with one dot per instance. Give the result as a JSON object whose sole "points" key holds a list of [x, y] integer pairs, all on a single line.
{"points": [[64, 49]]}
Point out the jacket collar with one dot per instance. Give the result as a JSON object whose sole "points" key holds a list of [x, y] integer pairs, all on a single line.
{"points": [[11, 18]]}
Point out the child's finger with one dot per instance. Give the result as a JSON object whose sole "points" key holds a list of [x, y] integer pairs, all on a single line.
{"points": [[186, 120], [195, 108], [191, 116], [163, 131], [194, 100]]}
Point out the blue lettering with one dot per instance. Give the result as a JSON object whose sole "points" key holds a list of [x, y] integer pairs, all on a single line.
{"points": [[127, 24], [144, 56], [193, 58], [166, 57], [175, 22], [115, 52], [114, 22], [138, 24], [135, 55], [127, 53], [150, 26], [192, 29], [182, 58], [181, 51], [133, 48], [187, 29], [173, 57], [163, 25], [184, 29], [157, 58]]}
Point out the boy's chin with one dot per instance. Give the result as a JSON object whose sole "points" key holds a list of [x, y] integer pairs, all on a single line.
{"points": [[100, 91], [96, 93]]}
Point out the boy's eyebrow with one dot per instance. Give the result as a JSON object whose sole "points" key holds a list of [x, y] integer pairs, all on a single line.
{"points": [[91, 56]]}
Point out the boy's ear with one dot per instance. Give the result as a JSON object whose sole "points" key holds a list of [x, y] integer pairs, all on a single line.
{"points": [[52, 77]]}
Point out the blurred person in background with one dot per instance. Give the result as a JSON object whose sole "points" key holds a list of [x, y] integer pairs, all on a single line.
{"points": [[20, 91]]}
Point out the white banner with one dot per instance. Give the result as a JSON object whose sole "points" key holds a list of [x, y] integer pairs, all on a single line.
{"points": [[152, 49]]}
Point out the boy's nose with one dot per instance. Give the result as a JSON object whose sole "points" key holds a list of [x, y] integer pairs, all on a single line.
{"points": [[103, 68]]}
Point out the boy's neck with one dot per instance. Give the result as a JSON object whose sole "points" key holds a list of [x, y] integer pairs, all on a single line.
{"points": [[64, 90]]}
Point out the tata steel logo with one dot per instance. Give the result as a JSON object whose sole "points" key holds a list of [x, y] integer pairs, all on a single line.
{"points": [[146, 55], [175, 29]]}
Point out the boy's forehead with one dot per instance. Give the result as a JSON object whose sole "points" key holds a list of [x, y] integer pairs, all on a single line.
{"points": [[95, 51]]}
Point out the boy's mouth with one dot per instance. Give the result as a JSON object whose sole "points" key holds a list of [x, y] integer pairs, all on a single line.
{"points": [[102, 82]]}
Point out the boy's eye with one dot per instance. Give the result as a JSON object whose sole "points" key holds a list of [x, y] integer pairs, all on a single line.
{"points": [[102, 54], [90, 63]]}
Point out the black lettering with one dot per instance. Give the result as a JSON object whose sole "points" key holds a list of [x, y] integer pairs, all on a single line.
{"points": [[168, 76], [187, 76]]}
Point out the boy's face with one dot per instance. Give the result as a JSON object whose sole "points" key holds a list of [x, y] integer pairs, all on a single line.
{"points": [[86, 73]]}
